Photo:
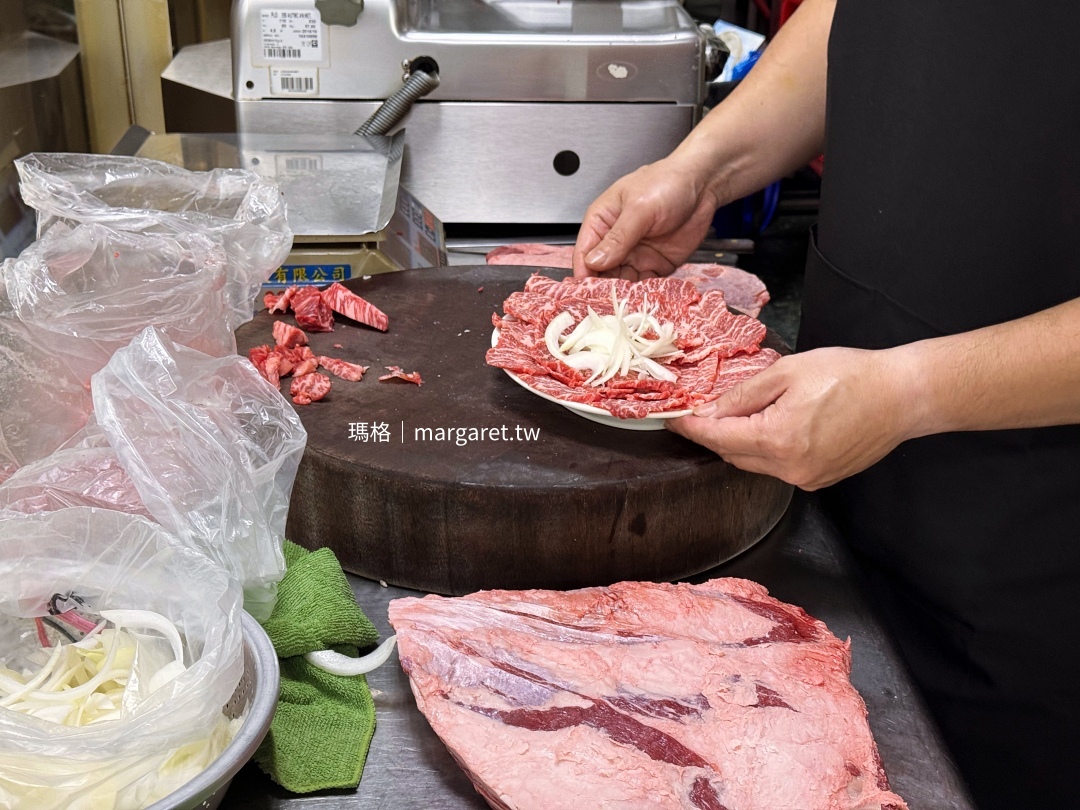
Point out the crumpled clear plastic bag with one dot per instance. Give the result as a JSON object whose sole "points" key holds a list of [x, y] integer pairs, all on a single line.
{"points": [[105, 285], [212, 449], [42, 402], [244, 212], [112, 560], [73, 298], [84, 472]]}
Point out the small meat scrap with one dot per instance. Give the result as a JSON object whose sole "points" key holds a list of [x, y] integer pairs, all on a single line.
{"points": [[312, 313], [258, 356], [351, 305], [273, 368], [297, 354], [284, 300], [338, 346], [309, 388], [288, 335], [270, 301], [395, 371], [308, 365], [343, 369]]}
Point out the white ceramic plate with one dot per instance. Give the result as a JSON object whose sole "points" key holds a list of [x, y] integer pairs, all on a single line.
{"points": [[654, 421]]}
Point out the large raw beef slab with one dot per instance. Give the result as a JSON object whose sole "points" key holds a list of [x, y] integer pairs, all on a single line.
{"points": [[643, 695]]}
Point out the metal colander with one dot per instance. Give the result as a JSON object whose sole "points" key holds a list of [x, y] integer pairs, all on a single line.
{"points": [[257, 694]]}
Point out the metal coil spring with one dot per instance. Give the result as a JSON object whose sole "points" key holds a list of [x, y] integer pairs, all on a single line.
{"points": [[395, 108]]}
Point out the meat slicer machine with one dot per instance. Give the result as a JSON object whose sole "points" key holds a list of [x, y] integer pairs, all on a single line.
{"points": [[515, 111]]}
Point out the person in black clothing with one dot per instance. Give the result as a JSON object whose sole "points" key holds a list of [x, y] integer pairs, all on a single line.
{"points": [[935, 395]]}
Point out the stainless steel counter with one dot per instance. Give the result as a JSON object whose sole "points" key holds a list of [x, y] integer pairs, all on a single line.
{"points": [[800, 561]]}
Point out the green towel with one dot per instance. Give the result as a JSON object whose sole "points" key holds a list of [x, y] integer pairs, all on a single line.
{"points": [[322, 728]]}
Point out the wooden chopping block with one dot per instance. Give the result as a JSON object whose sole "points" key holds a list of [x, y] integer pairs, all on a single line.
{"points": [[552, 501]]}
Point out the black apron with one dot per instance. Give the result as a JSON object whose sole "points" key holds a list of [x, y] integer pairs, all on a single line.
{"points": [[951, 201]]}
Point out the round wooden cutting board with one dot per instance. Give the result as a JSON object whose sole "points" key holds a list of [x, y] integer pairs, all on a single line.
{"points": [[545, 499]]}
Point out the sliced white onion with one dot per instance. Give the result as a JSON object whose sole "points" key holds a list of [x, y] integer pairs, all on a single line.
{"points": [[338, 664], [148, 620], [559, 324], [614, 345]]}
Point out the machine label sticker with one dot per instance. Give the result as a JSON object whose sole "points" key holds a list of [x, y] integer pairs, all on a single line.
{"points": [[291, 35], [298, 164], [294, 81]]}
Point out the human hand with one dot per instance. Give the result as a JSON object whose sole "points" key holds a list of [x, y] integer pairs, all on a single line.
{"points": [[647, 223], [812, 419]]}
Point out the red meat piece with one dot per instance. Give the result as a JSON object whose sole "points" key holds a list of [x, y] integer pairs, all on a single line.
{"points": [[285, 365], [273, 369], [744, 291], [347, 303], [309, 388], [270, 301], [297, 354], [533, 255], [288, 335], [258, 356], [343, 369], [312, 313], [674, 697], [284, 300], [395, 371], [308, 366]]}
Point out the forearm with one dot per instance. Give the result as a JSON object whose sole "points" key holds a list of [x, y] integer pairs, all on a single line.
{"points": [[1024, 373], [774, 121]]}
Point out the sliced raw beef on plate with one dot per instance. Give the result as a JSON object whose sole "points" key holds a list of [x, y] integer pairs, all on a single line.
{"points": [[351, 305], [706, 336], [643, 695]]}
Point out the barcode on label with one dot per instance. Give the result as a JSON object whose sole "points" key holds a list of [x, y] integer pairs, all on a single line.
{"points": [[302, 164], [297, 84], [281, 53]]}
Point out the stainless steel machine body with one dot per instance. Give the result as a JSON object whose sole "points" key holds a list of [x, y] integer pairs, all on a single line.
{"points": [[541, 103]]}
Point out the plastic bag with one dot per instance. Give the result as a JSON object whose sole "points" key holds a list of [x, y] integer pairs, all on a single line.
{"points": [[112, 560], [85, 472], [76, 296], [42, 402], [105, 285], [245, 213], [212, 449]]}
